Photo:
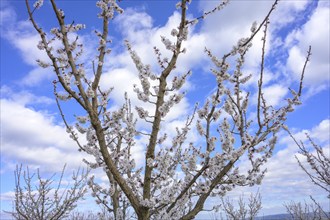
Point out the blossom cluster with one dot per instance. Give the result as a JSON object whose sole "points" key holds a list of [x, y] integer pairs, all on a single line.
{"points": [[162, 62], [74, 27], [168, 44], [167, 105], [42, 63], [108, 7], [179, 81]]}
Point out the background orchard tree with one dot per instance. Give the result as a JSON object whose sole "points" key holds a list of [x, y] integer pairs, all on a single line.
{"points": [[39, 198], [305, 211], [104, 214], [245, 210], [318, 170], [318, 162], [176, 179]]}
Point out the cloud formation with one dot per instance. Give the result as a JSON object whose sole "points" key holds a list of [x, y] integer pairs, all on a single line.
{"points": [[32, 137], [315, 32]]}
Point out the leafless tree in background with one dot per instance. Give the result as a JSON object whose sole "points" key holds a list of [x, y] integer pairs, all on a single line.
{"points": [[155, 190], [38, 198]]}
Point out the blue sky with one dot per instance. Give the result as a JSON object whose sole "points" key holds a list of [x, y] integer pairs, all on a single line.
{"points": [[32, 132]]}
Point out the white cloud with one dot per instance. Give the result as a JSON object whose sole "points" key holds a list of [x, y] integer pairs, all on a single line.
{"points": [[274, 94], [9, 196], [32, 137], [317, 71], [225, 28], [7, 15], [36, 76], [122, 81], [321, 132], [27, 45], [287, 11], [25, 97], [21, 35], [24, 38], [134, 24]]}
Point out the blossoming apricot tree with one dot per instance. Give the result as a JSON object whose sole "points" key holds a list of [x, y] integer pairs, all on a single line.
{"points": [[176, 180]]}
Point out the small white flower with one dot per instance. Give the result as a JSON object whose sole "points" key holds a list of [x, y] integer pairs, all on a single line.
{"points": [[178, 5], [38, 4], [150, 162], [61, 12], [90, 92], [42, 64], [254, 27], [174, 32], [41, 45]]}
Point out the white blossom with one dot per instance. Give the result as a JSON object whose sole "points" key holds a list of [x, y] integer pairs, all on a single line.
{"points": [[150, 162], [38, 4], [42, 63], [174, 32], [178, 5], [200, 128], [141, 112], [90, 93], [63, 96], [254, 27], [61, 12], [168, 44]]}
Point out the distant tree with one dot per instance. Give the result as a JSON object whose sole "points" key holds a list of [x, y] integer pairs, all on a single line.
{"points": [[39, 199], [319, 164], [245, 210], [177, 178], [299, 211], [318, 170], [104, 214]]}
